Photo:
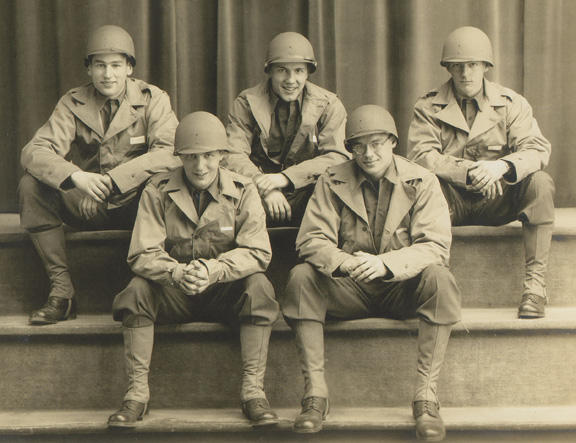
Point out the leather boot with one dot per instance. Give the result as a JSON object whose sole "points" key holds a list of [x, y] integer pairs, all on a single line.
{"points": [[54, 310], [537, 240], [138, 344], [314, 412], [51, 247], [254, 341], [310, 344], [432, 344], [127, 416]]}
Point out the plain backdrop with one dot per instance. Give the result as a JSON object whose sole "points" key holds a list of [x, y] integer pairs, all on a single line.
{"points": [[204, 52]]}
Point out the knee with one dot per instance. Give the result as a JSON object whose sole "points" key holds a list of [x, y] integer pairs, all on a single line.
{"points": [[439, 291], [260, 303], [29, 187], [300, 276], [135, 305], [538, 199]]}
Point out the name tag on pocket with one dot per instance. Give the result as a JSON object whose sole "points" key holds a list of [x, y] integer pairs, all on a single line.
{"points": [[137, 140], [226, 228], [495, 148]]}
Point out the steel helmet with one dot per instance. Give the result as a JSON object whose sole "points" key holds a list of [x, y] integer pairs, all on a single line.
{"points": [[467, 44], [110, 39], [198, 133], [290, 47], [367, 120]]}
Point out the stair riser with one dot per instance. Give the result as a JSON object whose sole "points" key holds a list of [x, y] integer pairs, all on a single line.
{"points": [[374, 368], [489, 271]]}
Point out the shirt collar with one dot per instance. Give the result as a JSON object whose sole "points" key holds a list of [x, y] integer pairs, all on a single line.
{"points": [[213, 189], [480, 97], [274, 99], [101, 100], [391, 175]]}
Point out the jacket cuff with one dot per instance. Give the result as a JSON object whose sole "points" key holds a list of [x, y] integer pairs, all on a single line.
{"points": [[215, 270]]}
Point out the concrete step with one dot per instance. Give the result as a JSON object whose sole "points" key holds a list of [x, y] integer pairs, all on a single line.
{"points": [[493, 360], [343, 424], [487, 262]]}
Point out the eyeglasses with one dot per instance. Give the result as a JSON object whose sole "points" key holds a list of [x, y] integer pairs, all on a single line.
{"points": [[361, 148]]}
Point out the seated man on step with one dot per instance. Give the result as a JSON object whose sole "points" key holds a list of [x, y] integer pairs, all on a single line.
{"points": [[286, 131], [199, 250], [87, 164], [485, 146], [375, 239]]}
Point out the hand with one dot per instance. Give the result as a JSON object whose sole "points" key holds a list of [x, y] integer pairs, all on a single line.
{"points": [[195, 279], [364, 267], [94, 185], [486, 172], [88, 207], [277, 207], [493, 191], [268, 182]]}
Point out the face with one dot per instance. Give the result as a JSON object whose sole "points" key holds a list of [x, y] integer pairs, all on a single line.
{"points": [[288, 79], [108, 73], [373, 153], [467, 77], [201, 169]]}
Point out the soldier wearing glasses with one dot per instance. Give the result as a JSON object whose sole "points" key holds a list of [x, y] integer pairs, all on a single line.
{"points": [[375, 241]]}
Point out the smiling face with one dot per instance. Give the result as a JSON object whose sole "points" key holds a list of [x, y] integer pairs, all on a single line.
{"points": [[109, 73], [201, 169], [467, 77], [373, 153], [288, 79]]}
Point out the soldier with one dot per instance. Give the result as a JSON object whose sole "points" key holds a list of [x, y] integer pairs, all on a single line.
{"points": [[485, 146], [286, 131], [199, 250], [375, 239], [86, 165]]}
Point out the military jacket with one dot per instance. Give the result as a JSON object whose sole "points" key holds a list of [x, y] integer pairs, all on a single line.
{"points": [[138, 142], [440, 140], [416, 231], [230, 236], [318, 143]]}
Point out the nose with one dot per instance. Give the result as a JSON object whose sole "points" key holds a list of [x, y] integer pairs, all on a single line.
{"points": [[108, 71], [291, 77]]}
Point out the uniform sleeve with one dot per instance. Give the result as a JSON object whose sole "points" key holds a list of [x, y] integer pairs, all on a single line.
{"points": [[430, 232], [331, 150], [147, 255], [161, 127], [241, 130], [317, 240], [531, 151], [425, 147], [252, 252], [44, 155]]}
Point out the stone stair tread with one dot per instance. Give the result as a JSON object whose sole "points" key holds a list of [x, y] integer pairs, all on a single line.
{"points": [[475, 319], [565, 224], [231, 420]]}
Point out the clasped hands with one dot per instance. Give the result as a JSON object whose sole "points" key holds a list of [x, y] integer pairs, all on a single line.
{"points": [[484, 177], [275, 203], [194, 279], [363, 267], [96, 189]]}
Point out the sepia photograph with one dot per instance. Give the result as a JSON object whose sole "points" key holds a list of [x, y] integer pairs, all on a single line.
{"points": [[287, 221]]}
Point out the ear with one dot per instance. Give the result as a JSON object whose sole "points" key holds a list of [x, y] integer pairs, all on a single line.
{"points": [[130, 69]]}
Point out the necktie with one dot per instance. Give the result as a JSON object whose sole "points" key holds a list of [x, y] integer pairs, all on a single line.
{"points": [[470, 111], [108, 111]]}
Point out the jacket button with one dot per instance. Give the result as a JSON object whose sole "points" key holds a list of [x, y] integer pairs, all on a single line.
{"points": [[365, 229]]}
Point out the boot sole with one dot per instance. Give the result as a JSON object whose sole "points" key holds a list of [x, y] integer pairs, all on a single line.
{"points": [[525, 315], [264, 423], [439, 438]]}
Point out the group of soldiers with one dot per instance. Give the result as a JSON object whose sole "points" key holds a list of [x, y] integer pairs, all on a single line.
{"points": [[374, 227]]}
